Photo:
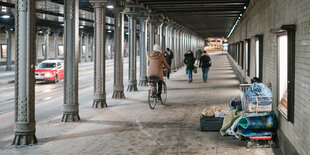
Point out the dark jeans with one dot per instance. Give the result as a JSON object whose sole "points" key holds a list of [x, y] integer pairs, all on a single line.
{"points": [[205, 73], [190, 75], [160, 86], [168, 71], [168, 74]]}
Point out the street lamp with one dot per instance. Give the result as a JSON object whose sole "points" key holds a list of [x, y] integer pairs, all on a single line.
{"points": [[5, 16]]}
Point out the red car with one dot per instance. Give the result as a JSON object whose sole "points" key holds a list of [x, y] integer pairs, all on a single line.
{"points": [[50, 71]]}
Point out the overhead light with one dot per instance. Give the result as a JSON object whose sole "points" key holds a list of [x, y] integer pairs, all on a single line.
{"points": [[127, 33], [62, 24], [109, 31], [40, 31], [11, 29], [81, 27], [5, 16], [244, 7], [110, 6], [240, 14]]}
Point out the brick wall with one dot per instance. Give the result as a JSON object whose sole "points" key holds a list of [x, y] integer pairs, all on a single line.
{"points": [[260, 17]]}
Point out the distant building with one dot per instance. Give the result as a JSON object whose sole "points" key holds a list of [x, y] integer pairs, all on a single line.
{"points": [[215, 44]]}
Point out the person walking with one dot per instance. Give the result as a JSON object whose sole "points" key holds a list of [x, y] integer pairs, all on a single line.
{"points": [[169, 56], [198, 55], [155, 61], [205, 64], [189, 60]]}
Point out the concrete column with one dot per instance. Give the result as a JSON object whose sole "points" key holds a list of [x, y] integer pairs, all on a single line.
{"points": [[92, 48], [151, 36], [168, 37], [181, 46], [182, 49], [25, 125], [164, 36], [80, 46], [9, 49], [36, 48], [172, 47], [107, 46], [176, 49], [71, 58], [157, 34], [143, 50], [132, 14], [86, 39], [175, 66], [46, 43], [99, 64], [155, 21], [118, 89], [56, 34], [179, 49]]}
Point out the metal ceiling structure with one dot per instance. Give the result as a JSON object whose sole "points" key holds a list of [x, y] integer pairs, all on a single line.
{"points": [[208, 18]]}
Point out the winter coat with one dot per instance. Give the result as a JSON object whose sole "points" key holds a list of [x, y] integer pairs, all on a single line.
{"points": [[155, 61], [189, 60], [205, 61], [169, 57]]}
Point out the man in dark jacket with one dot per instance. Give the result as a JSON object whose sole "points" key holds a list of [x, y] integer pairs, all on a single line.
{"points": [[189, 60], [205, 64], [169, 56]]}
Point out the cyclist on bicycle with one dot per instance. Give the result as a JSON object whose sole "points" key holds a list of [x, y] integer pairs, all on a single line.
{"points": [[155, 61]]}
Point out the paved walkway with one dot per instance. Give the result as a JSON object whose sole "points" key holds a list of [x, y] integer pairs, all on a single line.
{"points": [[130, 127]]}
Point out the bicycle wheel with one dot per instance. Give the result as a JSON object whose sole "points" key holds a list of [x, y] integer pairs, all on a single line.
{"points": [[152, 98], [164, 94]]}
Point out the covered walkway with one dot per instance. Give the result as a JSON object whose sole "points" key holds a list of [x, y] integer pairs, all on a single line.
{"points": [[131, 127]]}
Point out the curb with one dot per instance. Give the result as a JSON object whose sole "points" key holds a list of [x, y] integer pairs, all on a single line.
{"points": [[7, 82]]}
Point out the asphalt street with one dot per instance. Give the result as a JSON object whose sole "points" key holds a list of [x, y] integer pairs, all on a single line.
{"points": [[49, 96]]}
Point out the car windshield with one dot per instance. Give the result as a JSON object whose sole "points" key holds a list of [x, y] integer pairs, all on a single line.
{"points": [[46, 65]]}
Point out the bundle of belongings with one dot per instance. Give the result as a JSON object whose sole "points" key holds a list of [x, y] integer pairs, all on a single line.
{"points": [[211, 119], [258, 98], [252, 116]]}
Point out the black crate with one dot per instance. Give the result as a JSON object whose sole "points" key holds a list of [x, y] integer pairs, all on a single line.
{"points": [[211, 123]]}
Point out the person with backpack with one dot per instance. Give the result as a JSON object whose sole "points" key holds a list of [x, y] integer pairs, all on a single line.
{"points": [[205, 64], [169, 56], [198, 55], [189, 60]]}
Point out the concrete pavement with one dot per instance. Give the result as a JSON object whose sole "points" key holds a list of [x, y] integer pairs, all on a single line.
{"points": [[129, 126]]}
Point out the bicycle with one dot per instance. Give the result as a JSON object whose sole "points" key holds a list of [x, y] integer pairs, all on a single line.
{"points": [[152, 92]]}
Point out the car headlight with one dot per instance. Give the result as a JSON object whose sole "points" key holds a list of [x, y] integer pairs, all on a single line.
{"points": [[48, 74]]}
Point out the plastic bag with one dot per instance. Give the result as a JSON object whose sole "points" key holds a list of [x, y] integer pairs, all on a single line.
{"points": [[210, 111], [195, 70]]}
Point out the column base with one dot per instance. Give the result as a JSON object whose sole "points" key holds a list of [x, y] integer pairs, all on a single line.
{"points": [[143, 83], [21, 139], [132, 88], [8, 68], [100, 104], [69, 117], [132, 85], [118, 94]]}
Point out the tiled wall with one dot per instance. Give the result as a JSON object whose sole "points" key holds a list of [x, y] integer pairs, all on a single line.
{"points": [[260, 17]]}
